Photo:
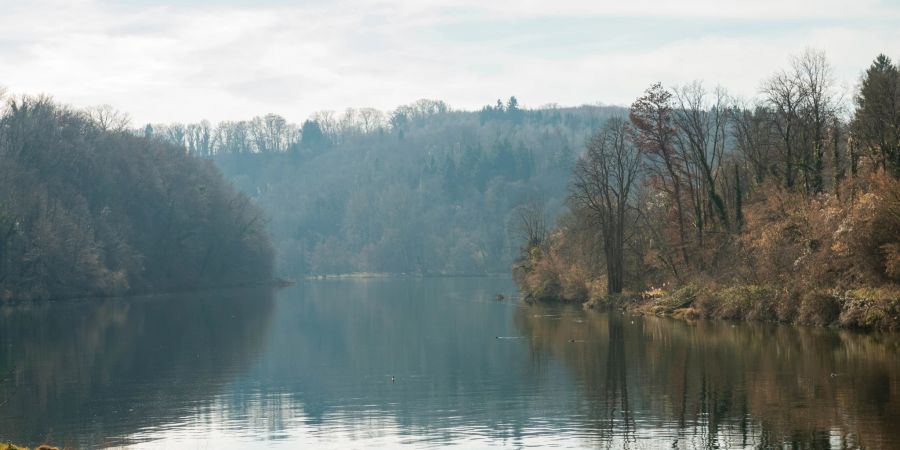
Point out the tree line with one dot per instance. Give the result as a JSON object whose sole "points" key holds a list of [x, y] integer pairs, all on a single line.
{"points": [[272, 133], [422, 189], [793, 188], [87, 207]]}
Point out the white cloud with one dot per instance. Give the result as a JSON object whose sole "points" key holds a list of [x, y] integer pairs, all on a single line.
{"points": [[183, 63], [742, 9]]}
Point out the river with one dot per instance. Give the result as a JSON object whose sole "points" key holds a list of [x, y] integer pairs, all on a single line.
{"points": [[429, 363]]}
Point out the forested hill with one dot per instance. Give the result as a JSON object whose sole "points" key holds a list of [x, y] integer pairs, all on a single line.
{"points": [[423, 189], [88, 208]]}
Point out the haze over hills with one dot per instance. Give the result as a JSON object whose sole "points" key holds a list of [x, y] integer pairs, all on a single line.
{"points": [[424, 189], [449, 223]]}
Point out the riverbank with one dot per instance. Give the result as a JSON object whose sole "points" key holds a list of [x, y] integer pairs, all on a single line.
{"points": [[769, 215], [823, 260], [870, 309], [8, 446]]}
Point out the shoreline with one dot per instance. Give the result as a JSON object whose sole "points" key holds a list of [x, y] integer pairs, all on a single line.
{"points": [[276, 283], [864, 309], [386, 275]]}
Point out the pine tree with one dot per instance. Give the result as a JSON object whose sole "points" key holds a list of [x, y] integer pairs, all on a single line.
{"points": [[877, 122]]}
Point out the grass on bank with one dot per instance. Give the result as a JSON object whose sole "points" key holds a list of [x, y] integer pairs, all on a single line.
{"points": [[875, 309]]}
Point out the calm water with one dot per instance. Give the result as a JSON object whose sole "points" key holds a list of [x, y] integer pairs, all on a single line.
{"points": [[312, 365]]}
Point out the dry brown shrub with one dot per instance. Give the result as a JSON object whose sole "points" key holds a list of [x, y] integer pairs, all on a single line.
{"points": [[818, 308], [871, 309], [550, 273], [787, 305], [892, 260], [774, 234], [867, 241], [824, 241]]}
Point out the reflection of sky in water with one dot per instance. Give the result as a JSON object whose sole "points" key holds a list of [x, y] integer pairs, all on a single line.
{"points": [[370, 429], [223, 429], [313, 365]]}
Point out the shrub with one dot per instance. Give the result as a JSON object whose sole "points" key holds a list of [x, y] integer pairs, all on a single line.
{"points": [[818, 308], [746, 302], [871, 309]]}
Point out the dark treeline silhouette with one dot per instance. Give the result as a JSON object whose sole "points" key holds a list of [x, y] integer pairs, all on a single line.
{"points": [[89, 208], [423, 189], [786, 209]]}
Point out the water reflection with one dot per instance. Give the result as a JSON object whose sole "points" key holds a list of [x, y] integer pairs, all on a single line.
{"points": [[312, 366], [714, 384], [336, 345], [89, 373]]}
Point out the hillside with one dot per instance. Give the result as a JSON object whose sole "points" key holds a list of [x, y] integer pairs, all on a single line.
{"points": [[423, 189], [87, 208]]}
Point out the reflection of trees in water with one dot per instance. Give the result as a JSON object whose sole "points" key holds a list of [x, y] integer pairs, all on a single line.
{"points": [[89, 370], [615, 386], [335, 345], [597, 349], [712, 383], [345, 339]]}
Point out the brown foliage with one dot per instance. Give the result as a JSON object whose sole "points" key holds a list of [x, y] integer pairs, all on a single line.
{"points": [[825, 241], [818, 308]]}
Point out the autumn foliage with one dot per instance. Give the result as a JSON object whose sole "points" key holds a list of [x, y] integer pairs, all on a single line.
{"points": [[780, 212]]}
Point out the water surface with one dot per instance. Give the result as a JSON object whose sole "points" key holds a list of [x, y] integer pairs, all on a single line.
{"points": [[429, 363]]}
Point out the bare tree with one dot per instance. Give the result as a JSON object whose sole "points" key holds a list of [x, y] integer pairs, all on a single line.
{"points": [[327, 122], [349, 122], [819, 105], [784, 95], [602, 183], [173, 133], [703, 127], [232, 138], [107, 118], [370, 119], [532, 227], [3, 93], [198, 138], [754, 137]]}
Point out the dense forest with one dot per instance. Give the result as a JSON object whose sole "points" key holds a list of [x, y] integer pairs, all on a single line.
{"points": [[784, 207], [423, 189], [694, 203], [89, 208]]}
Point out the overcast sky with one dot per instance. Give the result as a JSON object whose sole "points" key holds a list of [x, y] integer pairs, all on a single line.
{"points": [[189, 60]]}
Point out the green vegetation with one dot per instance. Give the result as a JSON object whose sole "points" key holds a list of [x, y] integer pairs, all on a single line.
{"points": [[700, 206], [88, 208]]}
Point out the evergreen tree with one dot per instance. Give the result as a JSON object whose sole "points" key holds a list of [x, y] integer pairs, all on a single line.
{"points": [[877, 121]]}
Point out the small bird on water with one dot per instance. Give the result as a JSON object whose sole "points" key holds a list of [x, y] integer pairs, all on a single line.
{"points": [[392, 379]]}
